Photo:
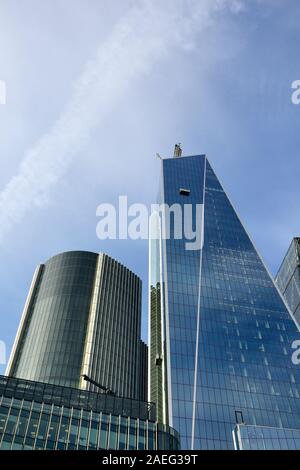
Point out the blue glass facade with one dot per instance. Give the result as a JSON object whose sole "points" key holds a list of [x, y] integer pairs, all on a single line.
{"points": [[266, 438], [226, 332]]}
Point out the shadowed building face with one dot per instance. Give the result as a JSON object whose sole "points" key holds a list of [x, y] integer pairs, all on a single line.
{"points": [[288, 278]]}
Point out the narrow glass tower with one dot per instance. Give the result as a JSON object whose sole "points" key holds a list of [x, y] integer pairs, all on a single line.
{"points": [[82, 316], [220, 332], [288, 278]]}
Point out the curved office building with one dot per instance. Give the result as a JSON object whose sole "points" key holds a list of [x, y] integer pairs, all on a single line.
{"points": [[82, 316]]}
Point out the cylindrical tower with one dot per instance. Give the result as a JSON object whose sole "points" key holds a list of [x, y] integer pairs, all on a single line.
{"points": [[82, 316]]}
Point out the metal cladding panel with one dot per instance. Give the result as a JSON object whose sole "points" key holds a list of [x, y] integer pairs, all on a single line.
{"points": [[115, 357]]}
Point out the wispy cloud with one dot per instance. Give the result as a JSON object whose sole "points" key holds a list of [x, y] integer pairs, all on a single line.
{"points": [[145, 35]]}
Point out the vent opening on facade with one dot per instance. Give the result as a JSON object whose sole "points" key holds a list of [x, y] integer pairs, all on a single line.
{"points": [[184, 192]]}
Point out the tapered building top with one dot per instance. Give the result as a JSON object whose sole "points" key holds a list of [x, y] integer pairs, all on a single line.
{"points": [[220, 332]]}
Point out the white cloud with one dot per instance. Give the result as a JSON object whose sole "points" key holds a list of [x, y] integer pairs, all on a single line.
{"points": [[141, 38]]}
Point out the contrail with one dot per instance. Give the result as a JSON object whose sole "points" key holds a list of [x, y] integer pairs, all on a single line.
{"points": [[145, 35]]}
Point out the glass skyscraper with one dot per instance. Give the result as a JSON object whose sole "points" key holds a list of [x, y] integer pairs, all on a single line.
{"points": [[288, 278], [82, 316], [220, 332]]}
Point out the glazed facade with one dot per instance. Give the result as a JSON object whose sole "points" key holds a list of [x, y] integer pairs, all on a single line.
{"points": [[220, 332], [82, 316], [288, 278], [37, 416], [265, 438]]}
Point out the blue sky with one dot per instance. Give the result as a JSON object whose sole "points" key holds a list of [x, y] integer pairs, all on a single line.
{"points": [[95, 88]]}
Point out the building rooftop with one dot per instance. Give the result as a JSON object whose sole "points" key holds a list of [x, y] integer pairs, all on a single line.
{"points": [[77, 398]]}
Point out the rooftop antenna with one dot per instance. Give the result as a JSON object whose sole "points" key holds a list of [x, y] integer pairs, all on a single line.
{"points": [[177, 150]]}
